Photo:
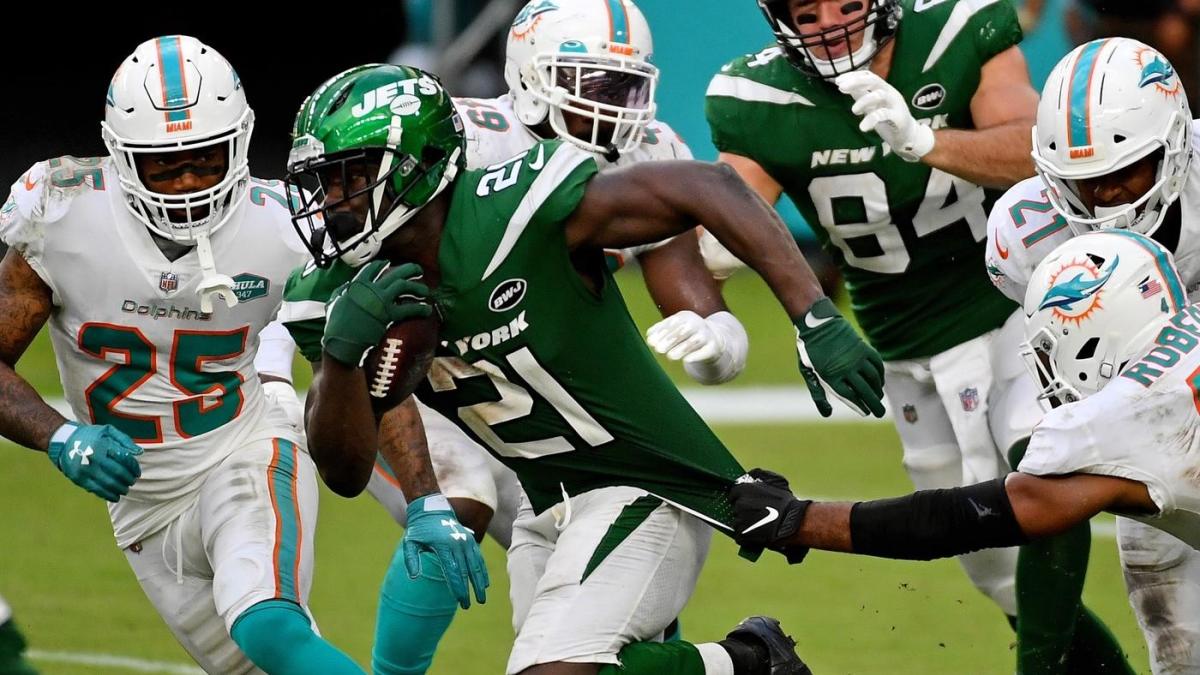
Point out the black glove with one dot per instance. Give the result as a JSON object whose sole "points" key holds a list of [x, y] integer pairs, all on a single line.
{"points": [[766, 514]]}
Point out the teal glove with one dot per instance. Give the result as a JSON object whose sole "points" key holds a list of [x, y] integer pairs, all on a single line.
{"points": [[432, 526], [98, 458], [833, 355], [359, 313]]}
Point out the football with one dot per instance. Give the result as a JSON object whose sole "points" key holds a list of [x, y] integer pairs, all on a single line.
{"points": [[397, 364]]}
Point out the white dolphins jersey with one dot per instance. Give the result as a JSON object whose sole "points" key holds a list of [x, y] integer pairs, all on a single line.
{"points": [[132, 346], [1023, 228], [1144, 426], [495, 134]]}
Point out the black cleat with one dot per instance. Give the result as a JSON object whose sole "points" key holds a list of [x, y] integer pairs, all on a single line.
{"points": [[768, 637]]}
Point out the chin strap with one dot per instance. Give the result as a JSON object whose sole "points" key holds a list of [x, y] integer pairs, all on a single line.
{"points": [[212, 283]]}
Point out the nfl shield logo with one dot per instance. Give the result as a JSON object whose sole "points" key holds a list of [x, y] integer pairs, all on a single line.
{"points": [[910, 413], [969, 398], [169, 281]]}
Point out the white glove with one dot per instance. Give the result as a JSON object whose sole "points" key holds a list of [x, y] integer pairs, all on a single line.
{"points": [[713, 349], [885, 112], [719, 261], [283, 395]]}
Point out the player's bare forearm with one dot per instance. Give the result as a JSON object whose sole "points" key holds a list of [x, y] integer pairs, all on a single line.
{"points": [[25, 304], [404, 447], [650, 201], [677, 279], [25, 418], [341, 427], [994, 158]]}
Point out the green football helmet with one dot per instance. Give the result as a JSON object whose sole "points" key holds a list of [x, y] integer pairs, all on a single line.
{"points": [[390, 133]]}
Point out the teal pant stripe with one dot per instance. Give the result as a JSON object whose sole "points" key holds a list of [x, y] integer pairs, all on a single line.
{"points": [[282, 476]]}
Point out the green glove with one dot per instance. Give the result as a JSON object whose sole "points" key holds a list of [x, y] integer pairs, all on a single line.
{"points": [[359, 313], [833, 355]]}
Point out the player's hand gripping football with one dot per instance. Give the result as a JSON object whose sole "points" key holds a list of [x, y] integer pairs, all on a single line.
{"points": [[766, 514], [833, 356], [97, 457], [432, 526], [359, 313], [884, 111]]}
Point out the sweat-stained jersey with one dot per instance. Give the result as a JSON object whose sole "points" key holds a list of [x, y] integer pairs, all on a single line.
{"points": [[1024, 228], [908, 237], [1143, 426], [553, 378], [132, 346]]}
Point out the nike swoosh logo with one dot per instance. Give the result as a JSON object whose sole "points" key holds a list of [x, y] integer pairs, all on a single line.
{"points": [[771, 516], [1001, 250], [813, 322], [981, 511], [540, 160]]}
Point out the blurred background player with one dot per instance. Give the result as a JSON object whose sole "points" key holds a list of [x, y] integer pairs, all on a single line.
{"points": [[1116, 155]]}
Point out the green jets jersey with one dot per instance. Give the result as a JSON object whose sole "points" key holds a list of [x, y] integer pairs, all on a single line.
{"points": [[550, 376], [908, 238]]}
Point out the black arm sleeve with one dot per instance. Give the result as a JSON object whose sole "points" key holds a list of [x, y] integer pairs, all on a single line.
{"points": [[936, 523]]}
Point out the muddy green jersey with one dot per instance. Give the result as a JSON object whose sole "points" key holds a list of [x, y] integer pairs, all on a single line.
{"points": [[552, 377], [908, 238]]}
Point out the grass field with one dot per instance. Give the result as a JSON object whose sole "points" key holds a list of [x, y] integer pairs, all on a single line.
{"points": [[73, 592]]}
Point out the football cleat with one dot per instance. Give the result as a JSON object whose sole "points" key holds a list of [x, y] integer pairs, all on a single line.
{"points": [[780, 648]]}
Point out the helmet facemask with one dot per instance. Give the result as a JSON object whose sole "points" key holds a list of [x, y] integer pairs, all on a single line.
{"points": [[1144, 214], [616, 94], [809, 52], [390, 187]]}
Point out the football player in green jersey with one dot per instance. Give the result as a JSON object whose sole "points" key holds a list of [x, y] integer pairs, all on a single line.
{"points": [[539, 359], [924, 110]]}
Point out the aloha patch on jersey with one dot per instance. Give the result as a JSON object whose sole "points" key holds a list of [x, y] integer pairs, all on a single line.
{"points": [[907, 237]]}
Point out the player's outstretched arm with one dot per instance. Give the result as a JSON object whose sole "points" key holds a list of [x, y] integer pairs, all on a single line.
{"points": [[25, 304], [650, 201], [930, 523]]}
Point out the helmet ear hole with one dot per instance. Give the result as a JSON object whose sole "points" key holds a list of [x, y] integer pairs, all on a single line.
{"points": [[1087, 351], [1053, 145], [1083, 377], [1118, 138]]}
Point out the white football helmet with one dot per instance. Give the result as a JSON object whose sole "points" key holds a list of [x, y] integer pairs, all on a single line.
{"points": [[1106, 105], [176, 93], [1092, 305], [586, 57]]}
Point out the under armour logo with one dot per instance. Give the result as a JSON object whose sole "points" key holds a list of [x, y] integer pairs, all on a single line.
{"points": [[981, 511], [455, 533], [84, 453]]}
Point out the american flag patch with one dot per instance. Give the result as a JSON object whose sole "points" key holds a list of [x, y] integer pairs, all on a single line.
{"points": [[1150, 287]]}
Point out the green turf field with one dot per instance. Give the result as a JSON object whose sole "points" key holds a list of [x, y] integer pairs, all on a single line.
{"points": [[73, 593]]}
